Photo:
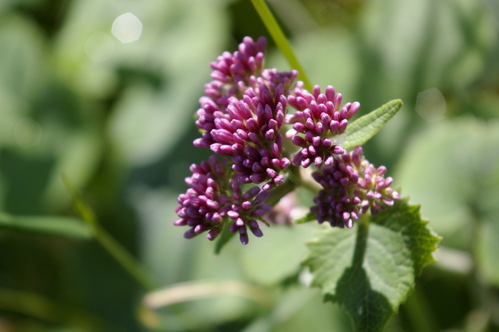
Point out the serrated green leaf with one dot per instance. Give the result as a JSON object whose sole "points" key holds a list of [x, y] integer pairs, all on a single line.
{"points": [[49, 225], [361, 130], [371, 272]]}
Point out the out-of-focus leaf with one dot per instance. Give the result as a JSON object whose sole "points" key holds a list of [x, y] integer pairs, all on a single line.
{"points": [[46, 128], [59, 136], [22, 56], [371, 272], [224, 237], [449, 42], [300, 309], [49, 225], [362, 129], [156, 73], [43, 308], [277, 255], [319, 54], [453, 170], [175, 259]]}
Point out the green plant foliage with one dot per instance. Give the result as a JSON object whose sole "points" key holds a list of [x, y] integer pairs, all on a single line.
{"points": [[224, 238], [50, 225], [283, 248], [362, 129], [452, 169], [371, 272]]}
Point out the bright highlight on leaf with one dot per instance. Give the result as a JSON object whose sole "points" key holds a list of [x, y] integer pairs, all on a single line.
{"points": [[371, 272], [367, 126]]}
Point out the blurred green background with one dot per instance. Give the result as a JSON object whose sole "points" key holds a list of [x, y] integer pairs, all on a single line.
{"points": [[104, 91]]}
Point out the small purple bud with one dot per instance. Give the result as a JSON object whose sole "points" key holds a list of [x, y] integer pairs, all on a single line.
{"points": [[189, 234], [239, 222], [212, 234], [246, 205], [305, 163], [233, 214], [179, 222], [256, 231], [243, 237], [261, 197]]}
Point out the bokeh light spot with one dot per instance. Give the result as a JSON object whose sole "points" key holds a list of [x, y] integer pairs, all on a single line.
{"points": [[127, 28]]}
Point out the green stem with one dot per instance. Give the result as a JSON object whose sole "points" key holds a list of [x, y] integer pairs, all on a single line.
{"points": [[280, 191], [113, 247], [361, 241], [124, 258], [280, 40]]}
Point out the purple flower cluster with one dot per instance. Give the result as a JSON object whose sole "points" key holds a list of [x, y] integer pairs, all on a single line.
{"points": [[206, 205], [203, 206], [242, 119], [351, 187], [318, 124]]}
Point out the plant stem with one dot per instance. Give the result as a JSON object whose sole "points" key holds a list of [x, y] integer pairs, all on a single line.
{"points": [[195, 290], [113, 247], [361, 241], [124, 258], [280, 40]]}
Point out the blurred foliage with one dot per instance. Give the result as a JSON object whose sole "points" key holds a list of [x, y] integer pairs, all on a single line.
{"points": [[116, 119]]}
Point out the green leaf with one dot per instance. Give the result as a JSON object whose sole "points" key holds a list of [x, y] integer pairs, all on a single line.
{"points": [[282, 246], [224, 237], [361, 130], [371, 272], [50, 225], [310, 216]]}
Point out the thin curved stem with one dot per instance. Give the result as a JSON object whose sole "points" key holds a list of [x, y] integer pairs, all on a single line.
{"points": [[113, 247], [280, 40]]}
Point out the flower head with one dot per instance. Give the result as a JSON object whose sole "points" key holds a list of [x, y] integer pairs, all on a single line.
{"points": [[242, 118], [318, 124]]}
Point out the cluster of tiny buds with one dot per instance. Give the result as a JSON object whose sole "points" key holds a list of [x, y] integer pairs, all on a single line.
{"points": [[242, 119], [233, 70], [318, 125], [205, 208], [350, 187]]}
